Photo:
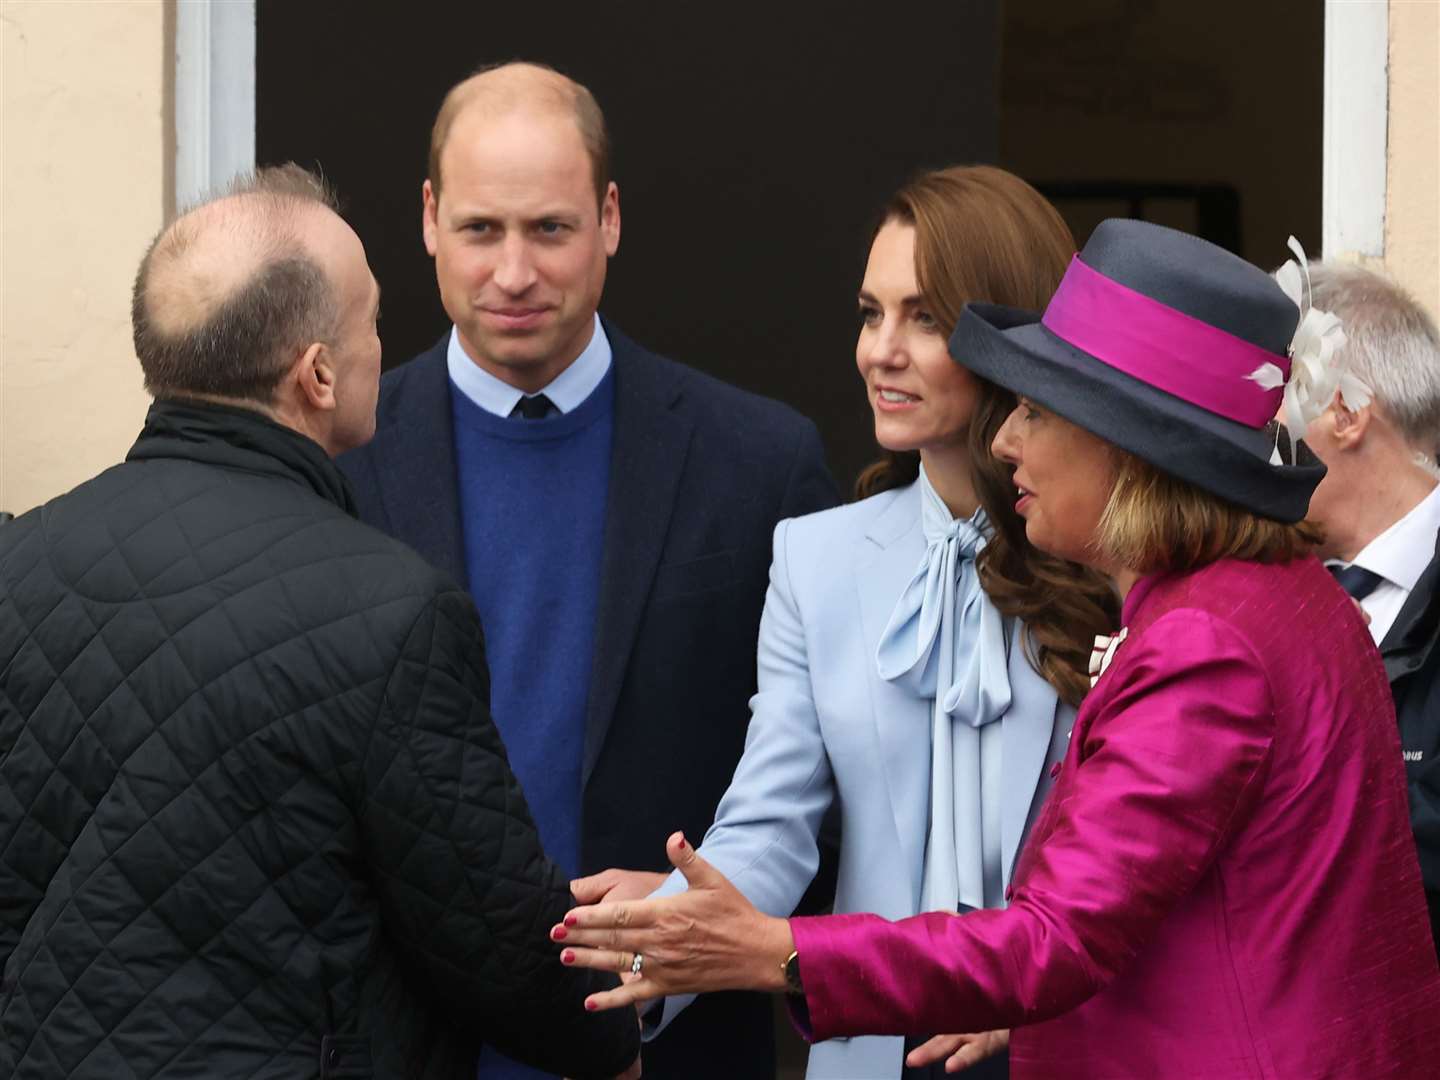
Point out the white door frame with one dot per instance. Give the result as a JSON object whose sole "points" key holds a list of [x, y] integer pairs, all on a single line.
{"points": [[214, 95], [1357, 93]]}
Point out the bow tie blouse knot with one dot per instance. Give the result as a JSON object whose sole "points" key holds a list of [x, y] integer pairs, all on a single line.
{"points": [[947, 644], [944, 640], [965, 535]]}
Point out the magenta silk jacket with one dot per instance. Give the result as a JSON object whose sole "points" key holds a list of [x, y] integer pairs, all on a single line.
{"points": [[1222, 883]]}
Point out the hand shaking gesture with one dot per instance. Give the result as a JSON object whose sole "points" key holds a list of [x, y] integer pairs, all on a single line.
{"points": [[708, 938]]}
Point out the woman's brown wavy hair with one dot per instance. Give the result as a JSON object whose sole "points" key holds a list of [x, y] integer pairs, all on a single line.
{"points": [[984, 234]]}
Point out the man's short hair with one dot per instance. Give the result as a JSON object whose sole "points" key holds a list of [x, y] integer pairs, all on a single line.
{"points": [[588, 118], [243, 341], [1392, 345]]}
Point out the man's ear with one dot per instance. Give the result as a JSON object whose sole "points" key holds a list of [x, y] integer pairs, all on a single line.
{"points": [[429, 222], [610, 218], [1349, 425], [314, 376]]}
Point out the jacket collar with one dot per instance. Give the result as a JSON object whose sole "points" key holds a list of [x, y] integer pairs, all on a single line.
{"points": [[239, 438], [899, 519], [1416, 630]]}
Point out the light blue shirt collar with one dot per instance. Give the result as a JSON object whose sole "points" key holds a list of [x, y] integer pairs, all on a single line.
{"points": [[567, 390]]}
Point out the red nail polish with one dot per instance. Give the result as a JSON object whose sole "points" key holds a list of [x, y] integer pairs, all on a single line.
{"points": [[567, 957], [571, 920], [558, 934], [684, 844], [589, 1005]]}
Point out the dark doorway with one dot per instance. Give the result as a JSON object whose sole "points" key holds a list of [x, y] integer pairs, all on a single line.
{"points": [[1205, 117], [753, 143]]}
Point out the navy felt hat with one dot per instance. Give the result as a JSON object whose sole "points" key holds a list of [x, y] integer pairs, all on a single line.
{"points": [[1152, 342]]}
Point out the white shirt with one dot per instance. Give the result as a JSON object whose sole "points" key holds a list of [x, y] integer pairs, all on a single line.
{"points": [[566, 391], [1400, 555]]}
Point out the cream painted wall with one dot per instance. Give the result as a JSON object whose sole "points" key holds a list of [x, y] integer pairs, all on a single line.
{"points": [[84, 147], [1412, 196]]}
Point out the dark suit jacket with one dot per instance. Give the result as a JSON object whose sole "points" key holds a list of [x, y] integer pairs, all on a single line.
{"points": [[1412, 661], [700, 474]]}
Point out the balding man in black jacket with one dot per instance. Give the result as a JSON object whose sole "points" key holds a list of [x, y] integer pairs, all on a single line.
{"points": [[255, 819]]}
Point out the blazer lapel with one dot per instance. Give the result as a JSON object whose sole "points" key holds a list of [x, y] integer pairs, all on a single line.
{"points": [[1415, 626], [647, 457], [417, 479], [901, 720]]}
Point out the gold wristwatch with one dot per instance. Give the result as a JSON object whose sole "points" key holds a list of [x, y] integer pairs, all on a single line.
{"points": [[790, 968]]}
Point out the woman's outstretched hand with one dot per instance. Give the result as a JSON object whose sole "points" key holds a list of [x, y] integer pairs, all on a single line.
{"points": [[959, 1051], [707, 938]]}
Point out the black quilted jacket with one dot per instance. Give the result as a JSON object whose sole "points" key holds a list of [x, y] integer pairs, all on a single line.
{"points": [[255, 819]]}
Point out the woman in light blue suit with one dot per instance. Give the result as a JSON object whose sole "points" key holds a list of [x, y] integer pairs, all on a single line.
{"points": [[919, 663]]}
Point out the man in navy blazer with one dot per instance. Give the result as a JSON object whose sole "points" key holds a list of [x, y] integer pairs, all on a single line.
{"points": [[610, 511]]}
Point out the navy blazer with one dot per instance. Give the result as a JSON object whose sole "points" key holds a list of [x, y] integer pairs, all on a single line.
{"points": [[1411, 651], [700, 474]]}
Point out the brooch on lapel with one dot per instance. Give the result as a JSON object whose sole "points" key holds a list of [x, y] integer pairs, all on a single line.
{"points": [[1104, 652]]}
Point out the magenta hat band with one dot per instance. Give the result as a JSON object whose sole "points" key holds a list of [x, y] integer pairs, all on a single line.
{"points": [[1163, 347]]}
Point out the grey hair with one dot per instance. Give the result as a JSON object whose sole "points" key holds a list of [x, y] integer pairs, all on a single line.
{"points": [[240, 347], [1392, 345]]}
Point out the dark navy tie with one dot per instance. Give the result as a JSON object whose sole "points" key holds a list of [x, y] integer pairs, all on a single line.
{"points": [[534, 408], [1356, 580]]}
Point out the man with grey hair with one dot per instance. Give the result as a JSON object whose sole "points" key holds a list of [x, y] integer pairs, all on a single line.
{"points": [[255, 818], [1379, 505]]}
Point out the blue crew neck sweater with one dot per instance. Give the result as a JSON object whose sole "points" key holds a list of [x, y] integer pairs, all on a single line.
{"points": [[532, 506]]}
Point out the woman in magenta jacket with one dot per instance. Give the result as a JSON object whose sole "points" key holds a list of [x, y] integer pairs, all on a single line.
{"points": [[1222, 883]]}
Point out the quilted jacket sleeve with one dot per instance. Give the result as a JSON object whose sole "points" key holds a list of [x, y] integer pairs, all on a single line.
{"points": [[467, 894], [1173, 766]]}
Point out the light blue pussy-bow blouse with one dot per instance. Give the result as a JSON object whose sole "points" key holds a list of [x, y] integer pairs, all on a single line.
{"points": [[945, 641]]}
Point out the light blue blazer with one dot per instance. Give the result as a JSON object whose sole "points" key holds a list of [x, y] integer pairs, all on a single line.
{"points": [[825, 728]]}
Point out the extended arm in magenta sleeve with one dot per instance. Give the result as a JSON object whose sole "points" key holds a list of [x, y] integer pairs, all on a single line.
{"points": [[1168, 766]]}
